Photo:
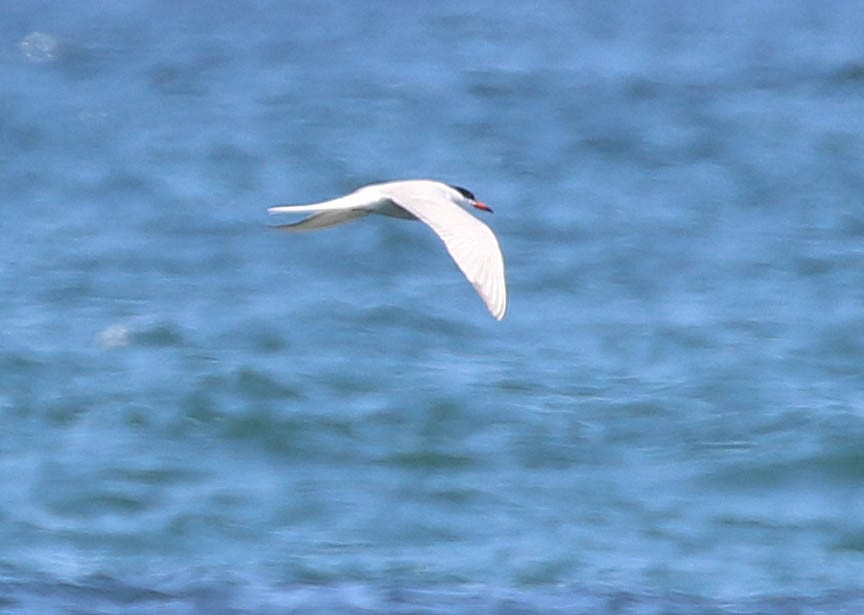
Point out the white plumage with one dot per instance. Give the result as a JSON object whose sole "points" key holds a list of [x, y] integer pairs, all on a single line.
{"points": [[443, 208]]}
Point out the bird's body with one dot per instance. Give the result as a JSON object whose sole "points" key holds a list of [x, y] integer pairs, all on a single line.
{"points": [[442, 207]]}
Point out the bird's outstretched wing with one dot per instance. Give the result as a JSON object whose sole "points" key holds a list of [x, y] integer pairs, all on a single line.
{"points": [[471, 244], [324, 219], [330, 213]]}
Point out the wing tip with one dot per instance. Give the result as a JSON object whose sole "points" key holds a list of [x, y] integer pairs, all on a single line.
{"points": [[497, 305]]}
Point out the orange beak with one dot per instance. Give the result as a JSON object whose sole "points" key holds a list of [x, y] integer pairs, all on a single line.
{"points": [[483, 206]]}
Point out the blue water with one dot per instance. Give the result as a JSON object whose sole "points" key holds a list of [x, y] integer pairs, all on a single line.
{"points": [[200, 415]]}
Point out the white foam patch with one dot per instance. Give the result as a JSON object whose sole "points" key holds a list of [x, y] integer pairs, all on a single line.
{"points": [[39, 47]]}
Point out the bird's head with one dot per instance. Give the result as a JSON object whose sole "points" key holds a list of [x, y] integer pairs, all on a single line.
{"points": [[467, 199]]}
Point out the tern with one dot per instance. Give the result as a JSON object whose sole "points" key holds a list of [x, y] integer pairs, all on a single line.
{"points": [[444, 208]]}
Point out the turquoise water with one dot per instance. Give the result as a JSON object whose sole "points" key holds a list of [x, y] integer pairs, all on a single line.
{"points": [[200, 415]]}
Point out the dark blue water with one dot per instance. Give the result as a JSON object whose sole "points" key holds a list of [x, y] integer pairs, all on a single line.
{"points": [[202, 416]]}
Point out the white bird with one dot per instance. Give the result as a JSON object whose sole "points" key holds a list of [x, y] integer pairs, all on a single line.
{"points": [[469, 241]]}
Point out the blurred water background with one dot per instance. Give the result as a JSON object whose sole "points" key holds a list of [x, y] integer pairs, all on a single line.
{"points": [[200, 415]]}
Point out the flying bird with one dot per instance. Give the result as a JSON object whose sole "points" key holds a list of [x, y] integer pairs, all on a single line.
{"points": [[444, 208]]}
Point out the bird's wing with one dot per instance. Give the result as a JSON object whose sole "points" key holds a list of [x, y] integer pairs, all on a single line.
{"points": [[470, 242], [331, 213], [359, 199], [324, 219]]}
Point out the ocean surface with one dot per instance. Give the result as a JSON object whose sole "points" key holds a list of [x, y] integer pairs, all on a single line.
{"points": [[199, 414]]}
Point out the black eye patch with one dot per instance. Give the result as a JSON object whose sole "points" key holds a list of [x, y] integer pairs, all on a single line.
{"points": [[464, 192]]}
